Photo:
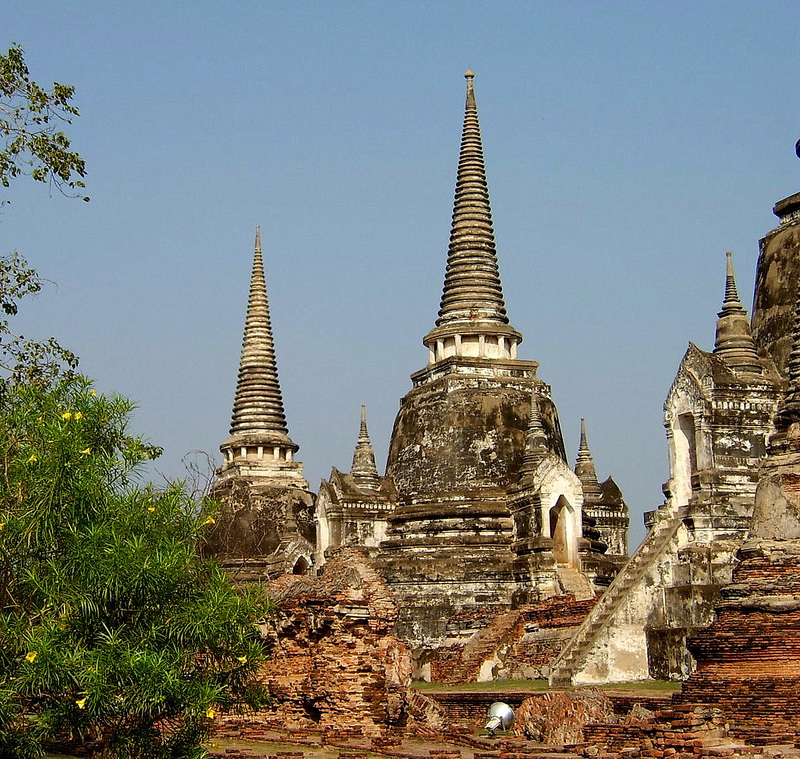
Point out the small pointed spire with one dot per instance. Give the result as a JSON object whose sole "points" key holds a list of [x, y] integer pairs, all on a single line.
{"points": [[731, 301], [734, 340], [472, 295], [583, 445], [258, 417], [364, 471], [536, 442], [584, 465]]}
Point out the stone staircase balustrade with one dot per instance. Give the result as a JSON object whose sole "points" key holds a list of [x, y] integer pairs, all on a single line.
{"points": [[578, 648]]}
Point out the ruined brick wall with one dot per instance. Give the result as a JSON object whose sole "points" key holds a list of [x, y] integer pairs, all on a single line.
{"points": [[547, 626], [468, 710], [517, 644], [682, 731], [749, 658], [560, 718], [334, 662]]}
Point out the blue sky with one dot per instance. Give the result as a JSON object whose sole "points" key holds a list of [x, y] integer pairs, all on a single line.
{"points": [[628, 146]]}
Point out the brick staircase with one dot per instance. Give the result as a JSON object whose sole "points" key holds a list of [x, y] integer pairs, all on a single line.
{"points": [[580, 645], [482, 647]]}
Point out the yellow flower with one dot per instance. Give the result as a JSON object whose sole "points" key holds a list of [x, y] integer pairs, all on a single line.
{"points": [[92, 393], [2, 525], [30, 657], [210, 520], [86, 451], [242, 659], [210, 713], [32, 458], [151, 508], [66, 415], [81, 702], [78, 415]]}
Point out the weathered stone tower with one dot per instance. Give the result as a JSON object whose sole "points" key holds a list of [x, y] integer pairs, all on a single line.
{"points": [[352, 509], [748, 660], [478, 511], [603, 503], [266, 526], [557, 548], [717, 414], [546, 505], [459, 438], [777, 275]]}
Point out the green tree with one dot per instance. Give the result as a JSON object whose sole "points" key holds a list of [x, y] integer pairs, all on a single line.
{"points": [[114, 631], [32, 144], [30, 139], [21, 359]]}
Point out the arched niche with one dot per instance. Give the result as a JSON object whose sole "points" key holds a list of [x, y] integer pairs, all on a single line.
{"points": [[684, 456], [323, 529], [301, 566], [564, 532]]}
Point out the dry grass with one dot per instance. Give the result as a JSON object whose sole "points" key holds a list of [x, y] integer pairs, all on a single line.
{"points": [[654, 687], [491, 686]]}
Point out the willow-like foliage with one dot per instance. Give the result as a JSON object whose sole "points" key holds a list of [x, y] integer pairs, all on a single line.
{"points": [[115, 632]]}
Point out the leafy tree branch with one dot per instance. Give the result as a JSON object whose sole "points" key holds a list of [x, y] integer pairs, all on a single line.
{"points": [[31, 142]]}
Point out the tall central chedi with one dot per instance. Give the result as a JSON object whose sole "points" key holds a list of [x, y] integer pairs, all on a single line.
{"points": [[459, 437]]}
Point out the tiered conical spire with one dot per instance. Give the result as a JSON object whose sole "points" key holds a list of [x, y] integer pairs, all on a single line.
{"points": [[364, 471], [258, 416], [734, 340], [731, 301], [584, 466], [536, 442], [472, 297]]}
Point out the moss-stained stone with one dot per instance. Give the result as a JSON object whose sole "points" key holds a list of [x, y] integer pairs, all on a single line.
{"points": [[777, 275]]}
